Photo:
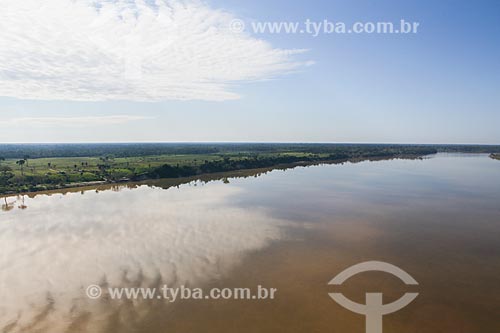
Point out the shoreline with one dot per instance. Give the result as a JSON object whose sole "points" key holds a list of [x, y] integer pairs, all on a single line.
{"points": [[174, 181]]}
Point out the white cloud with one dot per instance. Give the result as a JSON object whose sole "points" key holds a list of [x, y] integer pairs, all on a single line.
{"points": [[71, 121], [128, 50]]}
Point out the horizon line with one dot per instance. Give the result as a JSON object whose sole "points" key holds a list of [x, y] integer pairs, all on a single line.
{"points": [[246, 142]]}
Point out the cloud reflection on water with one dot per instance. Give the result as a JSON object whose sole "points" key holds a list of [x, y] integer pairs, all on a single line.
{"points": [[135, 237]]}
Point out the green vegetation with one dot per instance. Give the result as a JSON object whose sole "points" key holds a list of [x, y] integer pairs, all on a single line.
{"points": [[495, 156], [26, 175], [27, 168]]}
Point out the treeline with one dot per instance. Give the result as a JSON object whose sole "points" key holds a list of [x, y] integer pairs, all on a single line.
{"points": [[224, 165], [256, 162], [148, 149]]}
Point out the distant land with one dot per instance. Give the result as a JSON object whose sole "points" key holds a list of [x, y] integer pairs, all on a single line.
{"points": [[41, 167]]}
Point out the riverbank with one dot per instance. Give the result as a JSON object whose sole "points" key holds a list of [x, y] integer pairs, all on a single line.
{"points": [[166, 182], [34, 168]]}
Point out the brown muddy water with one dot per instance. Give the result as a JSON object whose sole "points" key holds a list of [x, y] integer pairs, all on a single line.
{"points": [[294, 230]]}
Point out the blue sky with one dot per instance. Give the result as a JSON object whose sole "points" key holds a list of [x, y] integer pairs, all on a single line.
{"points": [[440, 85]]}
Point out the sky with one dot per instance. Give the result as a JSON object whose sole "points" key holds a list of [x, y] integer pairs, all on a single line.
{"points": [[186, 71]]}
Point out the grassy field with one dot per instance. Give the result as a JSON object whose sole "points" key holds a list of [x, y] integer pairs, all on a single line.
{"points": [[75, 165], [125, 165], [22, 175]]}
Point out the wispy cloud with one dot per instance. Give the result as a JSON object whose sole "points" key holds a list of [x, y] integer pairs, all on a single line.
{"points": [[70, 121], [128, 50]]}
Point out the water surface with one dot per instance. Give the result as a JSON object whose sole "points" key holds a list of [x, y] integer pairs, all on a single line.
{"points": [[437, 218]]}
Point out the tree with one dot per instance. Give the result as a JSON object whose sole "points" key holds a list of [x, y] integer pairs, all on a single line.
{"points": [[21, 165], [4, 169], [2, 159]]}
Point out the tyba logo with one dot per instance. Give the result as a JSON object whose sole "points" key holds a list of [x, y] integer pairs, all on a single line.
{"points": [[374, 309]]}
